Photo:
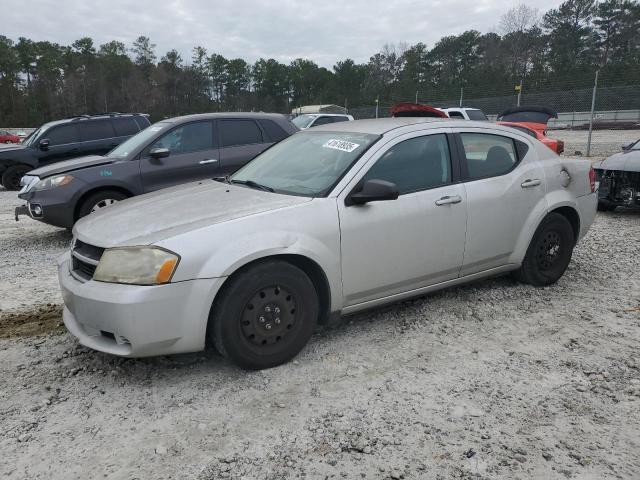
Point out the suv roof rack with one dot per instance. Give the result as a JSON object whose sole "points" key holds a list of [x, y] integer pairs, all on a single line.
{"points": [[105, 114]]}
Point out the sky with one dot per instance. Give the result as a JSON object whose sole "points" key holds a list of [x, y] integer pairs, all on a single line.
{"points": [[321, 30]]}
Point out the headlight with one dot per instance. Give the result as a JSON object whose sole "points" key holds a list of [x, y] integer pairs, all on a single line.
{"points": [[52, 182], [136, 265]]}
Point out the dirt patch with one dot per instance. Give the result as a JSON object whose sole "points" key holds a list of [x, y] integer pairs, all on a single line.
{"points": [[40, 320]]}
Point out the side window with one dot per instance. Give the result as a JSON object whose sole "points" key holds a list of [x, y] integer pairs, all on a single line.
{"points": [[415, 164], [143, 122], [191, 137], [95, 130], [274, 131], [239, 132], [488, 155], [321, 121], [125, 126], [62, 135], [338, 119], [456, 115]]}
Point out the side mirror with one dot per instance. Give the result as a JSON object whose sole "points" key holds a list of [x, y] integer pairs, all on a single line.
{"points": [[372, 191], [44, 144], [159, 152]]}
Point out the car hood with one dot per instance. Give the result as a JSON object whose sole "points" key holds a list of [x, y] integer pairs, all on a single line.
{"points": [[71, 165], [11, 149], [156, 216], [626, 161]]}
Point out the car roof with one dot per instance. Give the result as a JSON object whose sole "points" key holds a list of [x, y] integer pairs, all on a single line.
{"points": [[380, 126], [211, 116]]}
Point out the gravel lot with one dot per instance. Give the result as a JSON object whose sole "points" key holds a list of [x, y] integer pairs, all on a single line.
{"points": [[493, 380]]}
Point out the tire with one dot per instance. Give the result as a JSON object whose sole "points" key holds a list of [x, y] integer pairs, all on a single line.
{"points": [[549, 252], [606, 207], [12, 175], [8, 142], [265, 315], [99, 200]]}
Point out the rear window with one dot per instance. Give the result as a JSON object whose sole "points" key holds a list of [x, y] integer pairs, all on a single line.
{"points": [[125, 126], [239, 132], [274, 131], [95, 130], [476, 115], [62, 135]]}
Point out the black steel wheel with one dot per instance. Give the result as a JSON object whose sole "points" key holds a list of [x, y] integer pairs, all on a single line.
{"points": [[264, 315], [549, 252]]}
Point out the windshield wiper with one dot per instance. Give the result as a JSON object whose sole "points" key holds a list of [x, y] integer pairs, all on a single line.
{"points": [[252, 184]]}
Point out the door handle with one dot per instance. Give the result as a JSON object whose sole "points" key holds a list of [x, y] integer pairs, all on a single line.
{"points": [[531, 183], [448, 200], [211, 160]]}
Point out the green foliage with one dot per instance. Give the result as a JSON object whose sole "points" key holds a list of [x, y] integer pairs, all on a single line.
{"points": [[559, 50]]}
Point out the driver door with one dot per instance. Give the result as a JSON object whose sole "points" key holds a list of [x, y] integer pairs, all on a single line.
{"points": [[395, 246], [193, 155]]}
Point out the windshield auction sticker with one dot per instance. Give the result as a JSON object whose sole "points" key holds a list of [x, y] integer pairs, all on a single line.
{"points": [[341, 145]]}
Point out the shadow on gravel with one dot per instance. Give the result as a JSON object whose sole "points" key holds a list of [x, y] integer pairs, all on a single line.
{"points": [[36, 238], [39, 321]]}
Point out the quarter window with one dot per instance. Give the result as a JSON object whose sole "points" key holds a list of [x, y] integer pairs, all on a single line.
{"points": [[239, 132], [488, 155], [191, 137], [95, 130], [416, 164], [62, 135]]}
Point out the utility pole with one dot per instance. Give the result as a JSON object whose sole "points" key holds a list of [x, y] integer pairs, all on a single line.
{"points": [[377, 102], [519, 88], [461, 94], [593, 108], [416, 96]]}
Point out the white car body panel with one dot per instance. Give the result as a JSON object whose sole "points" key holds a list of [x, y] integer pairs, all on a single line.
{"points": [[370, 255]]}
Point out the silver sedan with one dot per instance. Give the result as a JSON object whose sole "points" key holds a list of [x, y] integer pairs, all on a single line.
{"points": [[328, 222]]}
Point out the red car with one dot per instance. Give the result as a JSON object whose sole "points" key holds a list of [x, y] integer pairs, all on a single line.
{"points": [[408, 109], [6, 137], [532, 120]]}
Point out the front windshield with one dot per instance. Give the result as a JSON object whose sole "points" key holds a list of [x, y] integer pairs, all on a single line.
{"points": [[303, 121], [137, 141], [307, 164], [32, 137]]}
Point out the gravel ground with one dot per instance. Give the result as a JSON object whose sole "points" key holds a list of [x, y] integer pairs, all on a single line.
{"points": [[603, 142], [493, 380]]}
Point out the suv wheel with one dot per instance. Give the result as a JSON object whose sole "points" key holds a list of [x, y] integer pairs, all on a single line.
{"points": [[99, 200], [549, 252], [12, 176], [265, 315]]}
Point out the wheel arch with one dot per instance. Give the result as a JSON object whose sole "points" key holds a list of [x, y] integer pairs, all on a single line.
{"points": [[572, 215], [93, 191], [309, 266]]}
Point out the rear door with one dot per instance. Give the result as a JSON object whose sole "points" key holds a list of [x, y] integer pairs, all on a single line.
{"points": [[97, 137], [241, 140], [505, 187], [193, 156]]}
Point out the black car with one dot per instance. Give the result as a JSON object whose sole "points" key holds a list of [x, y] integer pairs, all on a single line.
{"points": [[65, 139], [170, 152]]}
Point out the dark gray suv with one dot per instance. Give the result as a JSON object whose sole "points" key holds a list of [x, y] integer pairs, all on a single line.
{"points": [[170, 152], [68, 138]]}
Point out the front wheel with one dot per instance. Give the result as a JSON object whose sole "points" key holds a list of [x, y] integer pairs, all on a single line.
{"points": [[99, 200], [549, 252], [265, 315], [12, 176]]}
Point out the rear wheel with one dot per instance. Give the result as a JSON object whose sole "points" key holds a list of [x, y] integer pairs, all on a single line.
{"points": [[8, 142], [549, 252], [606, 207], [265, 315], [12, 176], [99, 200]]}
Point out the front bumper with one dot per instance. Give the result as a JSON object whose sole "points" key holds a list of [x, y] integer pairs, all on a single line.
{"points": [[56, 207], [134, 320]]}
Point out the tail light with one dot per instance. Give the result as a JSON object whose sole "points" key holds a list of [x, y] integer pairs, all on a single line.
{"points": [[560, 147], [592, 179]]}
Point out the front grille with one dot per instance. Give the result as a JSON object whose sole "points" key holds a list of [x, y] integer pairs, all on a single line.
{"points": [[85, 259]]}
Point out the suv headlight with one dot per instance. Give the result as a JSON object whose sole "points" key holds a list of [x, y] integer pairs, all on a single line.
{"points": [[52, 182], [136, 266]]}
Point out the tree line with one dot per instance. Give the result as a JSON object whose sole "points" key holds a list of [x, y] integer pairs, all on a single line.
{"points": [[560, 48]]}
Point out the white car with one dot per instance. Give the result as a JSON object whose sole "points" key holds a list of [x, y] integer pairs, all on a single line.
{"points": [[465, 112], [308, 120], [327, 222]]}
